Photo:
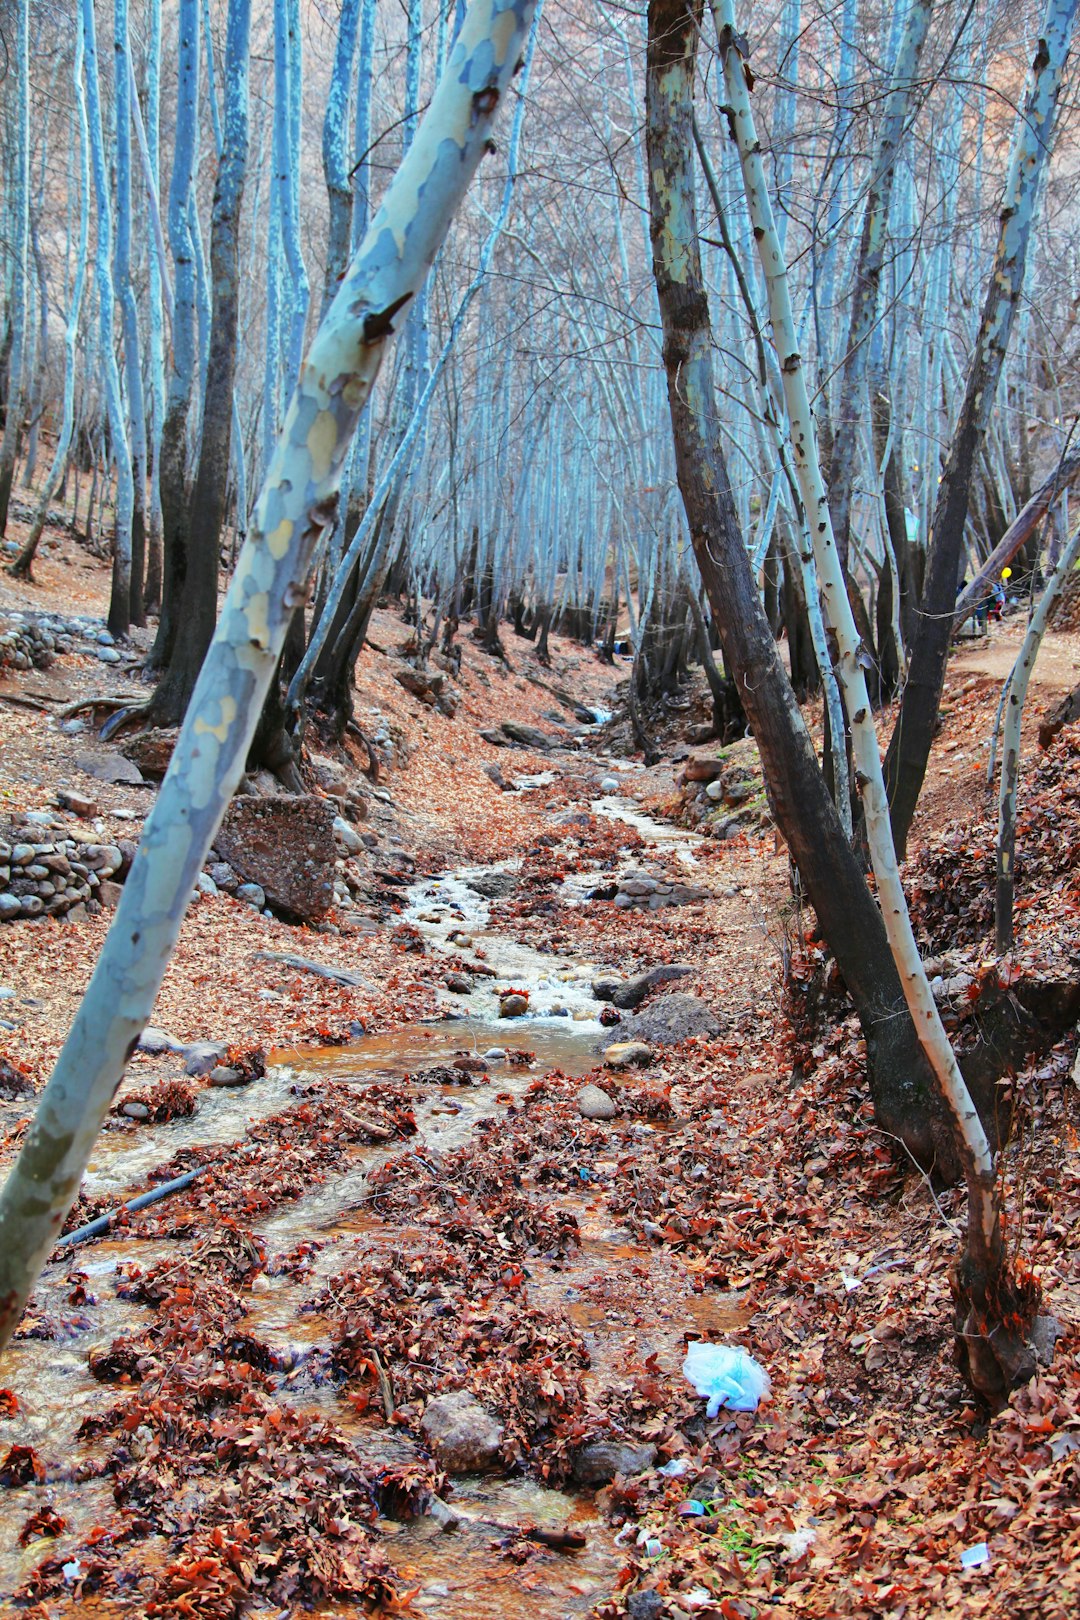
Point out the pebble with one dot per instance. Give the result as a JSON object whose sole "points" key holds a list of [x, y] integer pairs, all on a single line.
{"points": [[252, 894], [610, 784], [513, 1006], [205, 884], [135, 1110], [156, 1041], [624, 1054], [223, 1076]]}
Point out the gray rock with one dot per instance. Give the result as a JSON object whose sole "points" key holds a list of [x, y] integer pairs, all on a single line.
{"points": [[605, 986], [108, 655], [10, 906], [202, 1056], [667, 1020], [109, 893], [493, 885], [156, 1041], [627, 1055], [22, 854], [224, 876], [464, 1436], [135, 1110], [593, 1103], [220, 1075], [252, 894], [205, 884], [645, 1606], [347, 836], [610, 784], [634, 990], [598, 1463], [458, 984]]}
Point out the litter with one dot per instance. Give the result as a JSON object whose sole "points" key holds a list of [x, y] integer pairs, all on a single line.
{"points": [[972, 1557], [726, 1375]]}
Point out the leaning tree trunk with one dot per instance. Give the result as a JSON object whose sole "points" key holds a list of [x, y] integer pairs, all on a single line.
{"points": [[900, 1078], [994, 1307], [206, 519], [294, 511], [913, 734]]}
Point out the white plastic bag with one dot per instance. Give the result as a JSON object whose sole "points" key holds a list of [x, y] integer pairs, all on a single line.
{"points": [[726, 1375]]}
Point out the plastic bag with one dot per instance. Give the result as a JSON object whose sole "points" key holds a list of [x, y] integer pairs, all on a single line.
{"points": [[727, 1375]]}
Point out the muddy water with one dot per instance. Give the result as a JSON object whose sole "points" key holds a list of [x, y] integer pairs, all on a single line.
{"points": [[462, 1574]]}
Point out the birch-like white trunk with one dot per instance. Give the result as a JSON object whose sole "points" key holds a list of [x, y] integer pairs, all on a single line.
{"points": [[294, 510]]}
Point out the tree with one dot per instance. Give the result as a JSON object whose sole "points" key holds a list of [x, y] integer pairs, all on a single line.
{"points": [[206, 518], [913, 733], [294, 511], [13, 404]]}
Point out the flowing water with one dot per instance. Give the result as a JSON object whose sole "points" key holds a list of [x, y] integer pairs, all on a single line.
{"points": [[461, 1573]]}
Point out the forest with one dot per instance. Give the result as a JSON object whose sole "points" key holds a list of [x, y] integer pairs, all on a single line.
{"points": [[539, 809]]}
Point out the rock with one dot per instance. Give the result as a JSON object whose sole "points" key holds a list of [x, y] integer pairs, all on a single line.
{"points": [[22, 854], [528, 736], [224, 877], [426, 685], [638, 885], [599, 1462], [605, 986], [627, 1054], [151, 750], [467, 1064], [284, 845], [634, 990], [135, 1110], [670, 1019], [202, 1056], [495, 738], [702, 768], [252, 894], [10, 906], [514, 1006], [493, 773], [220, 1075], [464, 1436], [108, 655], [493, 885], [610, 784], [645, 1606], [458, 984], [109, 893], [77, 803], [1044, 1336], [347, 836], [109, 767], [156, 1041], [593, 1103], [205, 884]]}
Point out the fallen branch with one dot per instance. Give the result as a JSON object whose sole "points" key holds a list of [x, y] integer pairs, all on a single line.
{"points": [[352, 981], [1018, 533], [98, 1227]]}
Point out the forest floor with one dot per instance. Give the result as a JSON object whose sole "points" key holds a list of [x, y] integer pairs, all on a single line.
{"points": [[217, 1409]]}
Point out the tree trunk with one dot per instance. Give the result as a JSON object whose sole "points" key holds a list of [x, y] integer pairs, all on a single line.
{"points": [[206, 517], [900, 1077]]}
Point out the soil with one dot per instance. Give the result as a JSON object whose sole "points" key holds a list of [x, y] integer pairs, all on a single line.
{"points": [[216, 1408]]}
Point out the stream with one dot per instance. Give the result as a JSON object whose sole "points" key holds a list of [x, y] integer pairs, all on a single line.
{"points": [[457, 1576]]}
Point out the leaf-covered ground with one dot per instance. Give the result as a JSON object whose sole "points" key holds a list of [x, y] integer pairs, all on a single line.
{"points": [[216, 1410]]}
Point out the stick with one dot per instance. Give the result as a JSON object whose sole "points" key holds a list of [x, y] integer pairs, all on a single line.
{"points": [[352, 981], [101, 1225]]}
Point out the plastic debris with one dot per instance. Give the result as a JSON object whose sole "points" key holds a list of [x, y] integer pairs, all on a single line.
{"points": [[972, 1557], [726, 1375], [675, 1468]]}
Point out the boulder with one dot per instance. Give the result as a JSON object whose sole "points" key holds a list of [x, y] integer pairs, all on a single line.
{"points": [[152, 750], [634, 990], [514, 1006], [464, 1436], [702, 768], [605, 986], [286, 846], [528, 736], [668, 1020], [599, 1462], [493, 885], [201, 1056], [594, 1103], [627, 1055]]}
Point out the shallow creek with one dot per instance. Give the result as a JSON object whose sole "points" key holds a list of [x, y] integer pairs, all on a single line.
{"points": [[458, 1576]]}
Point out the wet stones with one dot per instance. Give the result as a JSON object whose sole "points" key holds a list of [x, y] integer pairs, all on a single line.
{"points": [[513, 1005], [462, 1433], [458, 984], [653, 893]]}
